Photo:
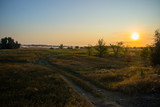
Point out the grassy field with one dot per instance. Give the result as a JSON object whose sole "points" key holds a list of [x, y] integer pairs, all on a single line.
{"points": [[25, 81], [20, 56], [113, 73]]}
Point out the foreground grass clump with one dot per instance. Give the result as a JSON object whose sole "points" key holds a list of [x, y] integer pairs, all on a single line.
{"points": [[34, 85], [112, 74], [144, 80]]}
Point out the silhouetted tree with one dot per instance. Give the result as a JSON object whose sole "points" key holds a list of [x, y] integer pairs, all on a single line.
{"points": [[117, 48], [155, 53], [101, 48], [76, 47], [89, 50], [8, 43], [70, 47], [61, 46]]}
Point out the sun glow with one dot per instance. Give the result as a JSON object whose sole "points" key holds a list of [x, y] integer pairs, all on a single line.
{"points": [[135, 36]]}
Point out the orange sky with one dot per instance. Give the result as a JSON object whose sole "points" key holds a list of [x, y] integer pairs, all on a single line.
{"points": [[80, 22]]}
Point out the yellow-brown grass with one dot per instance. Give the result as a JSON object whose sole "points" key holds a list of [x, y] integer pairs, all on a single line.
{"points": [[27, 84], [112, 73]]}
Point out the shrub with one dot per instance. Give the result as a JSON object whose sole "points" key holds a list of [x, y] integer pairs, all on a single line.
{"points": [[101, 48], [89, 50], [117, 48]]}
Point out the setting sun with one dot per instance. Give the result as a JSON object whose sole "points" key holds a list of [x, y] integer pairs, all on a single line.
{"points": [[135, 36]]}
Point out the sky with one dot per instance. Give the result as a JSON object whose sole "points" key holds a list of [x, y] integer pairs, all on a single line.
{"points": [[79, 22]]}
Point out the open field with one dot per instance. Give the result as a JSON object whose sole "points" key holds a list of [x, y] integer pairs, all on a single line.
{"points": [[66, 77], [112, 74], [24, 83], [79, 53]]}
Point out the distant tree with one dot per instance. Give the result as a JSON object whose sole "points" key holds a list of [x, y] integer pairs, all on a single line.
{"points": [[70, 47], [8, 43], [155, 53], [117, 48], [82, 47], [101, 48], [76, 47], [89, 50], [61, 46]]}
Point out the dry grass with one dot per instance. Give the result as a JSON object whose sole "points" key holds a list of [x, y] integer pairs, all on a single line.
{"points": [[27, 84], [112, 73], [19, 56], [34, 85], [80, 82]]}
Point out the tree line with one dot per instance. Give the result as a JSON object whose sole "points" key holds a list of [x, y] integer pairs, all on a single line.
{"points": [[149, 53], [102, 49]]}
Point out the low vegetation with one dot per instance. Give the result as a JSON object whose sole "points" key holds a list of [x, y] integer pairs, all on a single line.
{"points": [[80, 82], [117, 48], [29, 84], [21, 55], [26, 81], [89, 50], [112, 74]]}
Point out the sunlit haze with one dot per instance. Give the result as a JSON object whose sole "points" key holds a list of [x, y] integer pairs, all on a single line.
{"points": [[135, 36], [79, 22]]}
